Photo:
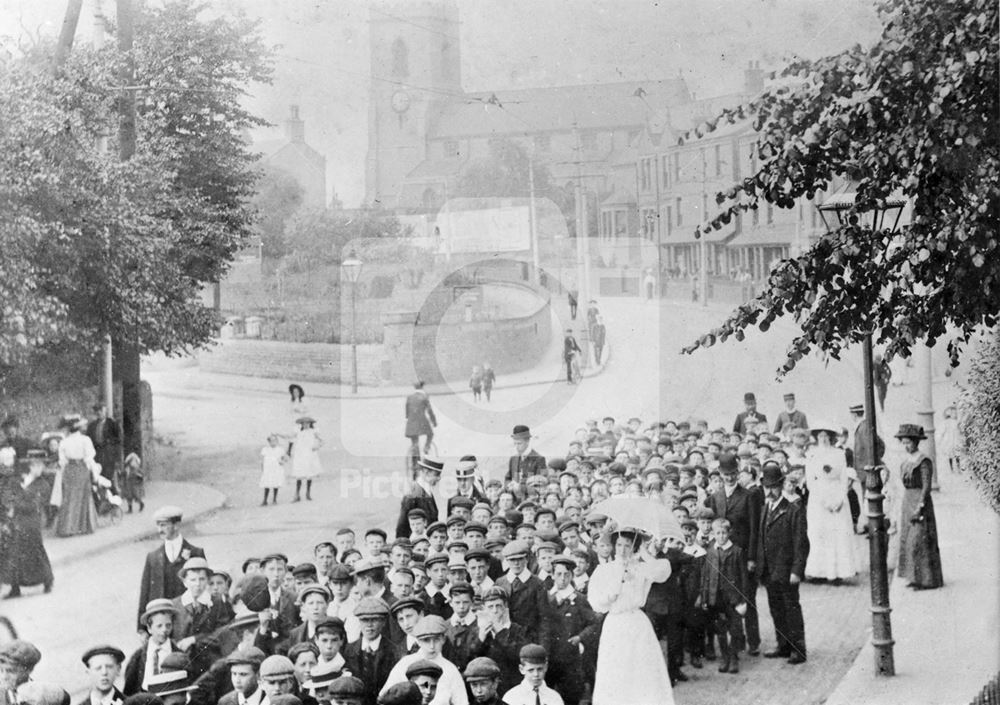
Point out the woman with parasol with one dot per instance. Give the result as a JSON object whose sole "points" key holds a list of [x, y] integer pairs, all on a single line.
{"points": [[619, 588]]}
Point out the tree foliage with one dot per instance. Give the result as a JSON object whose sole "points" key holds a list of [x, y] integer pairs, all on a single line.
{"points": [[279, 196], [90, 245], [321, 236], [914, 114]]}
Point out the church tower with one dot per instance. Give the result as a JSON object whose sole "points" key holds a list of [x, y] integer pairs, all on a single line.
{"points": [[415, 68]]}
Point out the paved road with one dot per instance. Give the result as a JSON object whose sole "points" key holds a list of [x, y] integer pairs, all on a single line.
{"points": [[215, 437]]}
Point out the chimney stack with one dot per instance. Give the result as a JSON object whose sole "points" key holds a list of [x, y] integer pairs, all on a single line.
{"points": [[753, 78], [295, 129]]}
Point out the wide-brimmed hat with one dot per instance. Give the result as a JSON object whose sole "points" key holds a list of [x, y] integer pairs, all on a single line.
{"points": [[911, 430], [825, 428], [158, 606]]}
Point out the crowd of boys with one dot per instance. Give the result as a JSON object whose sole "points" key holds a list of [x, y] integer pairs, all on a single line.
{"points": [[480, 597]]}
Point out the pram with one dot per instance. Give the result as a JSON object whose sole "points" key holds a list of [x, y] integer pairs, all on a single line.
{"points": [[109, 504]]}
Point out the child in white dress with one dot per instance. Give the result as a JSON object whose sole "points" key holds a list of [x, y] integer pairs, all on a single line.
{"points": [[272, 467]]}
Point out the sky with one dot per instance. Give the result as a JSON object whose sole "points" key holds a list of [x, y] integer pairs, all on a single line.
{"points": [[322, 61]]}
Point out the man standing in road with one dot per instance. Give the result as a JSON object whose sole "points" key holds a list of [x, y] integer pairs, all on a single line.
{"points": [[160, 576], [598, 335], [780, 560], [420, 419]]}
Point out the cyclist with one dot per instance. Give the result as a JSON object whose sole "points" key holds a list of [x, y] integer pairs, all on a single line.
{"points": [[420, 420]]}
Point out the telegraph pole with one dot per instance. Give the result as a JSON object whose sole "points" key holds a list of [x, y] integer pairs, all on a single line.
{"points": [[126, 353], [703, 279]]}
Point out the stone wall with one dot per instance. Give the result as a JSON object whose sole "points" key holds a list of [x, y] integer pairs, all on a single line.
{"points": [[310, 362], [434, 352]]}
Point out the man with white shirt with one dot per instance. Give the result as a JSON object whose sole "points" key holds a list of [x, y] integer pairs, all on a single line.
{"points": [[430, 634], [477, 562], [244, 667], [405, 615], [158, 620], [372, 656], [343, 601], [160, 575], [527, 596], [104, 665]]}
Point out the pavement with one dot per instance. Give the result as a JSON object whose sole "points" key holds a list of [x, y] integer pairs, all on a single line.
{"points": [[946, 645]]}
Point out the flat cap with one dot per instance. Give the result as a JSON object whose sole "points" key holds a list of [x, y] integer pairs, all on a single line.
{"points": [[304, 569], [437, 526], [461, 588], [405, 693], [462, 501], [252, 657], [414, 603], [436, 557], [475, 526], [497, 592], [481, 668], [455, 520], [516, 549], [416, 512], [376, 532], [277, 667], [313, 589], [430, 625], [20, 653], [168, 513], [340, 573], [346, 687], [533, 653], [477, 554], [564, 560], [107, 650], [335, 624], [371, 607], [35, 693], [423, 667], [274, 557]]}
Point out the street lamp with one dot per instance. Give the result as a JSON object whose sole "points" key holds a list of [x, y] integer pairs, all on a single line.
{"points": [[841, 204], [352, 272]]}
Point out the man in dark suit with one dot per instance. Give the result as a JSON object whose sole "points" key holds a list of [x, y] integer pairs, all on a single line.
{"points": [[527, 602], [666, 607], [526, 462], [160, 577], [742, 508], [420, 419], [106, 435], [499, 637], [104, 664], [569, 616], [371, 657], [866, 454], [570, 348], [284, 611], [780, 561], [426, 494], [468, 485], [750, 412]]}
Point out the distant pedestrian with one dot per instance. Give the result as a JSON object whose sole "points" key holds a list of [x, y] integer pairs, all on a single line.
{"points": [[598, 334], [476, 383], [106, 435], [950, 443], [133, 481], [573, 296], [272, 467], [489, 379], [592, 313], [305, 456], [649, 284], [882, 374], [27, 562], [570, 349]]}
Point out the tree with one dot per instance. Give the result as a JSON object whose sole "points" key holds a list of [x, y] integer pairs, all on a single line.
{"points": [[279, 195], [320, 236], [914, 114], [93, 246]]}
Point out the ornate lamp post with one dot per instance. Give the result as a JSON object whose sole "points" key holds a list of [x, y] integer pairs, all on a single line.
{"points": [[352, 272], [885, 216]]}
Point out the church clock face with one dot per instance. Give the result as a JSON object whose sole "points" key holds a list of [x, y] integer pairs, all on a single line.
{"points": [[400, 102]]}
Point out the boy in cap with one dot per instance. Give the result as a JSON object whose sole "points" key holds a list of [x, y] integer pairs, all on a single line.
{"points": [[158, 621], [199, 613], [425, 675], [527, 600], [346, 690], [483, 678], [244, 670], [723, 594], [160, 574], [372, 656], [284, 613], [462, 625], [435, 593], [277, 676], [405, 693], [405, 615], [525, 462], [569, 617], [104, 665], [498, 637], [532, 690], [430, 634], [313, 601]]}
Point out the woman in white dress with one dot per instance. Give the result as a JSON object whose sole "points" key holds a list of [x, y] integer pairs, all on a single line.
{"points": [[305, 456], [828, 514], [77, 513], [630, 665]]}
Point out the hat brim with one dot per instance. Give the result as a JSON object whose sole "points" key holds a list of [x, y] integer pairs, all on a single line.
{"points": [[163, 610]]}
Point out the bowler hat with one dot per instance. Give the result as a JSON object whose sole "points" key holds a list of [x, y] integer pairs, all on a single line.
{"points": [[521, 431], [728, 463], [749, 396], [771, 475], [157, 606], [416, 512]]}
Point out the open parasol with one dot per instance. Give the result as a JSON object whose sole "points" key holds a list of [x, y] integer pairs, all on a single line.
{"points": [[641, 514]]}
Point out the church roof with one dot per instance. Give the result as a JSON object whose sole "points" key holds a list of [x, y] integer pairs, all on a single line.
{"points": [[269, 149], [588, 106]]}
